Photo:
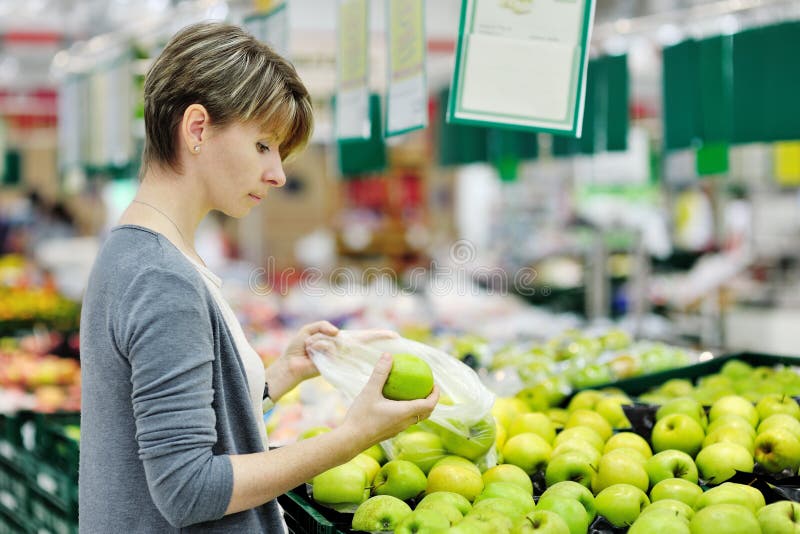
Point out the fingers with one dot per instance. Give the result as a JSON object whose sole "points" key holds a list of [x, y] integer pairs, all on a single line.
{"points": [[320, 327], [366, 336], [425, 406], [381, 372]]}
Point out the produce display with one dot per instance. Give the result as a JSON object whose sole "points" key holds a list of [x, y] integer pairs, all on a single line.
{"points": [[571, 469]]}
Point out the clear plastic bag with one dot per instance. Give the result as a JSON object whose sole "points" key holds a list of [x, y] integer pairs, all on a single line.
{"points": [[462, 420]]}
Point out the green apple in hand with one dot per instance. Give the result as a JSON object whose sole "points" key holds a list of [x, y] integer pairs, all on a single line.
{"points": [[777, 403], [508, 473], [571, 511], [628, 440], [422, 448], [423, 522], [410, 378], [470, 442], [777, 449], [671, 464], [617, 469], [676, 488], [368, 464], [621, 504], [382, 512], [528, 451], [678, 431], [734, 404], [447, 497], [570, 466], [718, 462], [535, 422], [455, 478], [511, 492], [782, 517], [343, 484], [659, 521], [541, 522], [575, 491], [401, 479], [727, 518]]}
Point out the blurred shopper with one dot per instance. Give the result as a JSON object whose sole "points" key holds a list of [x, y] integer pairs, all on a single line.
{"points": [[172, 437]]}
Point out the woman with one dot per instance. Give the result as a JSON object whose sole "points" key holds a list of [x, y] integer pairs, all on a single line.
{"points": [[171, 431]]}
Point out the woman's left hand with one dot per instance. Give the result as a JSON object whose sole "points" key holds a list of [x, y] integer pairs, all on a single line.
{"points": [[295, 365]]}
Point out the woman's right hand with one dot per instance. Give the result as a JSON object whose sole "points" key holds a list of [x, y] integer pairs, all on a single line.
{"points": [[374, 418]]}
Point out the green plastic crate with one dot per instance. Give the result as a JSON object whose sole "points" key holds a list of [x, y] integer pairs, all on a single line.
{"points": [[48, 518], [304, 517], [14, 488], [11, 523], [17, 433], [59, 488], [54, 445]]}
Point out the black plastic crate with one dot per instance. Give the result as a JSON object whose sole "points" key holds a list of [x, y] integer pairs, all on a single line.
{"points": [[305, 517]]}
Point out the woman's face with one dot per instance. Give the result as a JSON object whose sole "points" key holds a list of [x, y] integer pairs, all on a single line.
{"points": [[240, 164]]}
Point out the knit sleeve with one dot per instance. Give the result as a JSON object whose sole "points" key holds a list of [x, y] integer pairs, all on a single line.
{"points": [[166, 333]]}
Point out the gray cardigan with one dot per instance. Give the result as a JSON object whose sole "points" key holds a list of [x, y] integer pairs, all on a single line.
{"points": [[164, 398]]}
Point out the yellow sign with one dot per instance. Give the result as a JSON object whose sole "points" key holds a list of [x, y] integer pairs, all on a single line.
{"points": [[408, 38], [787, 163]]}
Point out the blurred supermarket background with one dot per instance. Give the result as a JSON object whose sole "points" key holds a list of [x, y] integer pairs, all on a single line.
{"points": [[668, 234]]}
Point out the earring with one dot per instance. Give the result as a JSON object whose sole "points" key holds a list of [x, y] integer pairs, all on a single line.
{"points": [[197, 148]]}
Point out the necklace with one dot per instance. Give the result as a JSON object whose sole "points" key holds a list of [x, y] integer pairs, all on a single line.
{"points": [[170, 220]]}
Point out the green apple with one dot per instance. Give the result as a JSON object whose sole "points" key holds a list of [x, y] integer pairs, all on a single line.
{"points": [[677, 387], [422, 448], [382, 512], [727, 518], [343, 484], [729, 434], [423, 522], [661, 521], [368, 464], [590, 419], [470, 442], [541, 522], [313, 431], [671, 464], [445, 509], [779, 518], [558, 416], [570, 510], [508, 473], [535, 422], [377, 452], [611, 410], [489, 520], [718, 462], [678, 431], [736, 370], [536, 397], [780, 420], [574, 491], [777, 449], [615, 339], [528, 451], [401, 479], [674, 506], [732, 420], [630, 454], [578, 445], [455, 478], [734, 404], [501, 435], [621, 504], [581, 432], [505, 409], [498, 504], [584, 400], [574, 466], [617, 469], [777, 403], [506, 490], [676, 488], [458, 460], [410, 378], [447, 497], [685, 405], [628, 440]]}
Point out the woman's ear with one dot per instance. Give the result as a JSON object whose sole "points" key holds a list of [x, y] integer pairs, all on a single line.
{"points": [[194, 127]]}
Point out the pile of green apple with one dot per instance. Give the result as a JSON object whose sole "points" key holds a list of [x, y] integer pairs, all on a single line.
{"points": [[736, 377]]}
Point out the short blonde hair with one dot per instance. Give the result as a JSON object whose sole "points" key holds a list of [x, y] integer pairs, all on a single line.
{"points": [[235, 77]]}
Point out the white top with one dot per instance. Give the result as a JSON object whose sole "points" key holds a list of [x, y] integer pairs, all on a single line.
{"points": [[253, 366]]}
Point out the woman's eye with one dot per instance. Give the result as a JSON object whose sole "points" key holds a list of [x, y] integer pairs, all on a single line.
{"points": [[262, 147]]}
